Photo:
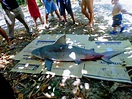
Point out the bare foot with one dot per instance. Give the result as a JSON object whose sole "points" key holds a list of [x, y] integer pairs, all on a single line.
{"points": [[90, 26], [36, 26]]}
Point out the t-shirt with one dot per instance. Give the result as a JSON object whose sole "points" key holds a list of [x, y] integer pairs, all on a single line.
{"points": [[9, 4]]}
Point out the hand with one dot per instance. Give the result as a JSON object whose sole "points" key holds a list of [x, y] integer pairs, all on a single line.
{"points": [[130, 14]]}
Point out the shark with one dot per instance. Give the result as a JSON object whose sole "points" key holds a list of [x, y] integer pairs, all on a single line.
{"points": [[63, 52]]}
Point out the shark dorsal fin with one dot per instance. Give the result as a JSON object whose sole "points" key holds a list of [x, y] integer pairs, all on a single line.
{"points": [[61, 40]]}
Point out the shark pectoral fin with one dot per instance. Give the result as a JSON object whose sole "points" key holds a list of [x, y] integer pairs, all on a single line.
{"points": [[77, 61], [48, 64]]}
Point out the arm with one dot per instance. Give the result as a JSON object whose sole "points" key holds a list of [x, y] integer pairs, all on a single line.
{"points": [[124, 11]]}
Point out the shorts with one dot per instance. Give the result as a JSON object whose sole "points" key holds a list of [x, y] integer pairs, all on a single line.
{"points": [[49, 6], [117, 19], [66, 4]]}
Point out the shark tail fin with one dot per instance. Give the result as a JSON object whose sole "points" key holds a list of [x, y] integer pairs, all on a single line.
{"points": [[110, 54]]}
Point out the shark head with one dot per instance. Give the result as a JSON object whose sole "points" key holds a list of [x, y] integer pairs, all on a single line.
{"points": [[36, 52], [45, 51]]}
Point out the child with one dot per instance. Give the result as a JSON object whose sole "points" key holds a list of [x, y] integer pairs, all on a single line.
{"points": [[50, 7], [65, 5], [117, 16], [34, 11]]}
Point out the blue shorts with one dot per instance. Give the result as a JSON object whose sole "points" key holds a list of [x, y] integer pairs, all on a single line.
{"points": [[64, 4], [117, 19], [49, 6]]}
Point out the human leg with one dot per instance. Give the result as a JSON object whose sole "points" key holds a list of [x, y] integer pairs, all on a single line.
{"points": [[48, 5], [61, 7], [35, 22], [21, 19], [64, 16], [40, 18], [58, 15], [73, 19], [69, 10], [46, 18], [3, 33], [83, 9], [122, 28], [46, 24], [54, 8], [117, 19], [20, 16], [90, 8], [52, 15], [10, 26], [114, 30]]}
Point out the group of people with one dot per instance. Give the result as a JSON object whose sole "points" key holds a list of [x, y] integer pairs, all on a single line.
{"points": [[13, 10]]}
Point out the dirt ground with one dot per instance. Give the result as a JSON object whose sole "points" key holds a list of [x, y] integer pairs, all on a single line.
{"points": [[29, 86]]}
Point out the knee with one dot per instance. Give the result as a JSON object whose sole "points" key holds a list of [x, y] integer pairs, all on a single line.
{"points": [[83, 11], [91, 11]]}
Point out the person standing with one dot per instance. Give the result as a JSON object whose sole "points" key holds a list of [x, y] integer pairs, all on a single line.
{"points": [[65, 5], [117, 16], [50, 7], [87, 9], [13, 10], [34, 11]]}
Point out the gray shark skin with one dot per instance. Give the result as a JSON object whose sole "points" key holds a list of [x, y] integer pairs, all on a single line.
{"points": [[60, 51]]}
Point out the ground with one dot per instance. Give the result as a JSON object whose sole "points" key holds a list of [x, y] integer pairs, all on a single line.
{"points": [[44, 86]]}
